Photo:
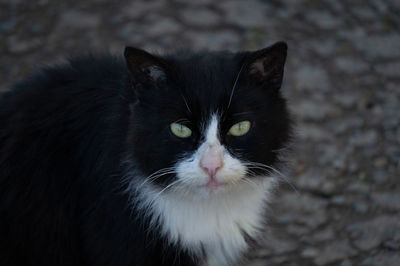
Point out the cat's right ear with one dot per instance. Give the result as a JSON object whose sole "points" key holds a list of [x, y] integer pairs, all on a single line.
{"points": [[144, 66]]}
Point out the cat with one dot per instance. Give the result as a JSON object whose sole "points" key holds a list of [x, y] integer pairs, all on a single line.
{"points": [[142, 160]]}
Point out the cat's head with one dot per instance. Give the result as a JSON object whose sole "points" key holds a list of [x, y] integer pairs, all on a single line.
{"points": [[207, 121]]}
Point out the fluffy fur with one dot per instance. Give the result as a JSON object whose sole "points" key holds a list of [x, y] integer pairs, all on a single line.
{"points": [[91, 174]]}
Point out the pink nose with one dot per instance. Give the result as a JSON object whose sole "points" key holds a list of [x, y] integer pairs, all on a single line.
{"points": [[211, 160]]}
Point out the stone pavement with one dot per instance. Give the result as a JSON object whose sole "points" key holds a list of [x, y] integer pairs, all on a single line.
{"points": [[342, 82]]}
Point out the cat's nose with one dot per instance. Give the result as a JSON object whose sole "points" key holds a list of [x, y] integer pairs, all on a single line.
{"points": [[211, 160]]}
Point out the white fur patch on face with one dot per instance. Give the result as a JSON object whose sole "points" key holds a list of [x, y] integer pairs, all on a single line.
{"points": [[210, 219], [190, 172]]}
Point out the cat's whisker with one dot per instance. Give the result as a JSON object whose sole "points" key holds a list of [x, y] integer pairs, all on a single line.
{"points": [[163, 170], [164, 189], [161, 174], [241, 113], [160, 171], [157, 174], [261, 166], [248, 181], [154, 178], [249, 172], [187, 106], [234, 85], [233, 182]]}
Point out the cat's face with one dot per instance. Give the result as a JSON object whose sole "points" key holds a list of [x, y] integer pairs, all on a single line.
{"points": [[207, 122]]}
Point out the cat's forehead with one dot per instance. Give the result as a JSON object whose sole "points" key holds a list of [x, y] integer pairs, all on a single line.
{"points": [[207, 79], [209, 67]]}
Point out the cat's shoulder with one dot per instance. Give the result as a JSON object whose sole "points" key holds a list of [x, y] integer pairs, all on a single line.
{"points": [[90, 74], [83, 69]]}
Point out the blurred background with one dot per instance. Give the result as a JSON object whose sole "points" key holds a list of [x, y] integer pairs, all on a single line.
{"points": [[342, 83]]}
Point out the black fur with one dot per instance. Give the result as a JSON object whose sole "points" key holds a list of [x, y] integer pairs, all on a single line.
{"points": [[65, 131]]}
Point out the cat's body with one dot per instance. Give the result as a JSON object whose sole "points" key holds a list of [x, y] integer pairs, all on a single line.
{"points": [[101, 165]]}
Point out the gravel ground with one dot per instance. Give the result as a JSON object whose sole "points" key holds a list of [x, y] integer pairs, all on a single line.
{"points": [[342, 82]]}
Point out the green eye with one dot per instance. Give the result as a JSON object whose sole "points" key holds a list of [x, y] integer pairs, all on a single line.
{"points": [[240, 129], [180, 130]]}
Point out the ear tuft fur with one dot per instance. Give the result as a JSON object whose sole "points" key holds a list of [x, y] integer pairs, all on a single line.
{"points": [[143, 65], [267, 65]]}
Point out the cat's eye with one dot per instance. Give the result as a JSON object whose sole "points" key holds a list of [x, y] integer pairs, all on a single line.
{"points": [[180, 130], [240, 129]]}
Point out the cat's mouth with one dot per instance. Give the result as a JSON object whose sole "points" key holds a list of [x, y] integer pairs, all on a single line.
{"points": [[214, 184]]}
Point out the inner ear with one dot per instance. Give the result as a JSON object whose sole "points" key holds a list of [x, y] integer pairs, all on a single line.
{"points": [[267, 65], [145, 66]]}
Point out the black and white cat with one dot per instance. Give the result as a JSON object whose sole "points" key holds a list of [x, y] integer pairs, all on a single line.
{"points": [[158, 160]]}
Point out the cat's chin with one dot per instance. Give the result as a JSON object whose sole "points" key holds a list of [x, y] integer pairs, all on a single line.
{"points": [[213, 184], [204, 192], [216, 188]]}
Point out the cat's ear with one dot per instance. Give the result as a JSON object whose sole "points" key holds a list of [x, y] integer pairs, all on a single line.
{"points": [[144, 66], [266, 66]]}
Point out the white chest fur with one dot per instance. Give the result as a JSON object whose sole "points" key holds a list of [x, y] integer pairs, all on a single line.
{"points": [[214, 224]]}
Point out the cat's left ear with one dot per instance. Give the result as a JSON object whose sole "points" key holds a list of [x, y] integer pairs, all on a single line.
{"points": [[144, 66], [266, 66]]}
